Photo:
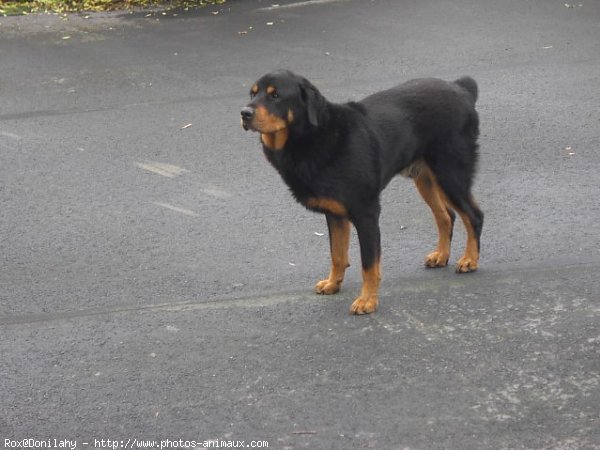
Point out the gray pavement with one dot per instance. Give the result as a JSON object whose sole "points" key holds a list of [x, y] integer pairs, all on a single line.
{"points": [[156, 277]]}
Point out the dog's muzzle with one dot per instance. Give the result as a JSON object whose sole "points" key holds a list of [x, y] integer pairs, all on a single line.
{"points": [[247, 115]]}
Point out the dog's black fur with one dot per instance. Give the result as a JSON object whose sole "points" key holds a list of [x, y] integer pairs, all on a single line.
{"points": [[337, 158]]}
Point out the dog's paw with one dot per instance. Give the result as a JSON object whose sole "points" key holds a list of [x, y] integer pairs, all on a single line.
{"points": [[364, 305], [466, 264], [437, 259], [327, 287]]}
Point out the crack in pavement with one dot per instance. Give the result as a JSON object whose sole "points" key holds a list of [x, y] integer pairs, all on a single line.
{"points": [[414, 285]]}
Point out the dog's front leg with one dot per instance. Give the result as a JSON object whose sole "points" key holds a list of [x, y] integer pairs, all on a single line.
{"points": [[367, 228], [339, 240]]}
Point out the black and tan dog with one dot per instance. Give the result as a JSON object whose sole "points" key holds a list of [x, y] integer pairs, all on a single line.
{"points": [[337, 158]]}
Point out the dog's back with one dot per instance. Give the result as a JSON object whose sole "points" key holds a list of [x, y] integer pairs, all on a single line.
{"points": [[418, 118]]}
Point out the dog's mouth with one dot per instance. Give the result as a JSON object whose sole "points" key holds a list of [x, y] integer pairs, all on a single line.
{"points": [[261, 127], [261, 121], [245, 125], [247, 117], [272, 128]]}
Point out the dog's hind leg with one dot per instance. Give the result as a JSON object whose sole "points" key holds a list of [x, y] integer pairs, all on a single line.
{"points": [[455, 182], [472, 217], [431, 192]]}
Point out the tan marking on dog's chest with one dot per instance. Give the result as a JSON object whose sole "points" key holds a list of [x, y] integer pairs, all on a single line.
{"points": [[325, 204], [275, 141]]}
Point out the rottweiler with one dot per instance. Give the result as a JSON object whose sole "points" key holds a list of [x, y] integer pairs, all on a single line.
{"points": [[337, 158]]}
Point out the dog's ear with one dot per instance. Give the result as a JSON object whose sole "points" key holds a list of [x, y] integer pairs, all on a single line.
{"points": [[313, 100]]}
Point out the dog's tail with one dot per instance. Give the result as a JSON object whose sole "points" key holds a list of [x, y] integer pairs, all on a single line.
{"points": [[469, 85]]}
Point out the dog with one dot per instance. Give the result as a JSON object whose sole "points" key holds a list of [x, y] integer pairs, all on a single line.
{"points": [[337, 158]]}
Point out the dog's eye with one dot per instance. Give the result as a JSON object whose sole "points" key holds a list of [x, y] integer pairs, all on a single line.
{"points": [[274, 95]]}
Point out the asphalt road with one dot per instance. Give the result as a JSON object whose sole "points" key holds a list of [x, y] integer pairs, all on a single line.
{"points": [[156, 277]]}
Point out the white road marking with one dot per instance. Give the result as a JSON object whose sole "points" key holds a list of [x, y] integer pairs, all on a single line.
{"points": [[11, 142], [185, 211], [300, 4], [166, 170], [10, 135], [215, 192], [171, 171]]}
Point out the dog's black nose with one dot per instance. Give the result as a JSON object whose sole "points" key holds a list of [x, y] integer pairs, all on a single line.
{"points": [[247, 113]]}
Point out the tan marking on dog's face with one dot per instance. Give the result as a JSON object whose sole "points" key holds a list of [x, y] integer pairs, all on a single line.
{"points": [[270, 90], [273, 129], [254, 89], [265, 122], [290, 116]]}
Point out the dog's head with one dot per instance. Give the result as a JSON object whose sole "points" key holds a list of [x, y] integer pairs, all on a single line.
{"points": [[281, 102]]}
